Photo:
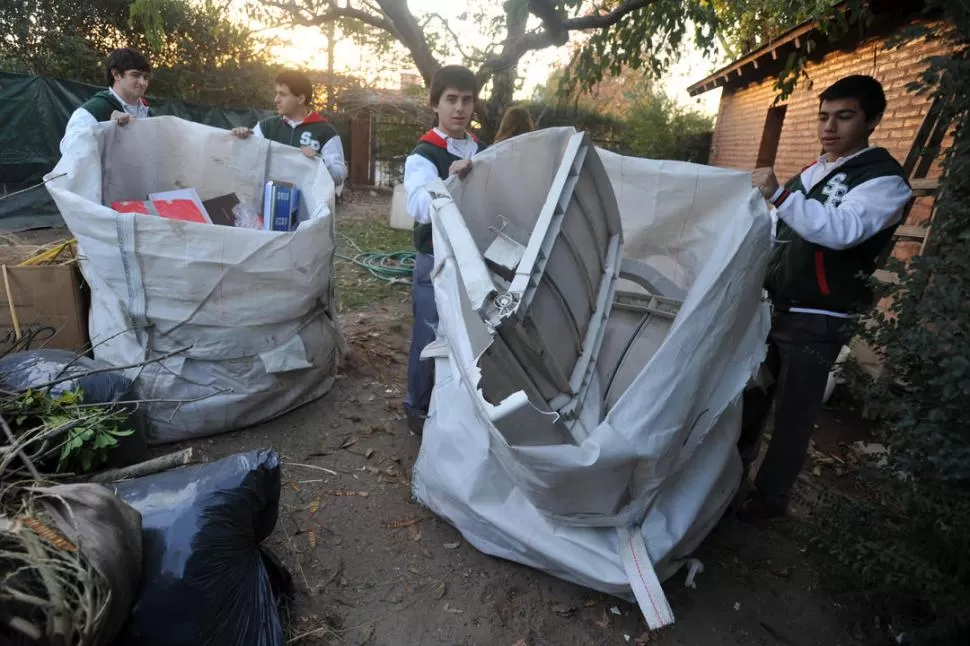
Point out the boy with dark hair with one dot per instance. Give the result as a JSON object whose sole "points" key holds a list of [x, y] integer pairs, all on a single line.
{"points": [[444, 150], [127, 73], [834, 219], [297, 124]]}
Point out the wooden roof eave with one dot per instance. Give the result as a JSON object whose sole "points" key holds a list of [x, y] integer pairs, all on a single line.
{"points": [[754, 59]]}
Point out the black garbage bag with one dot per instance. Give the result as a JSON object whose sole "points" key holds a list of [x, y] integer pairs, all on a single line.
{"points": [[70, 561], [24, 370], [205, 578]]}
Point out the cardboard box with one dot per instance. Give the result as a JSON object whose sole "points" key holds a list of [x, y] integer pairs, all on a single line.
{"points": [[49, 304]]}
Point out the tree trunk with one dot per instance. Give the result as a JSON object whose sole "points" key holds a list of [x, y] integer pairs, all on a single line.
{"points": [[409, 32], [503, 86], [503, 77]]}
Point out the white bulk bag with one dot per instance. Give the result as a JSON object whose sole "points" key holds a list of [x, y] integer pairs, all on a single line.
{"points": [[645, 473], [245, 314]]}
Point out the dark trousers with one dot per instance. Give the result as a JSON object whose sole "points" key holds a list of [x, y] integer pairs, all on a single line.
{"points": [[801, 351], [421, 372]]}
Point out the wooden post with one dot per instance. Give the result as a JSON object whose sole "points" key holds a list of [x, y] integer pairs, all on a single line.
{"points": [[360, 149]]}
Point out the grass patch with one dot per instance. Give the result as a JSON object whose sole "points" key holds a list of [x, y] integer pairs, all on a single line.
{"points": [[355, 286]]}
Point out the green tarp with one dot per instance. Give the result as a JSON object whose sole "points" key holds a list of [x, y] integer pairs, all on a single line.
{"points": [[34, 111]]}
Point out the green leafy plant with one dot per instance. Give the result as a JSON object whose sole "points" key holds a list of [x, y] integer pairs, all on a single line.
{"points": [[80, 434]]}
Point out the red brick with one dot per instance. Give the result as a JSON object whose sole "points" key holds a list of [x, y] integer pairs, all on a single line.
{"points": [[908, 112], [921, 212], [906, 250]]}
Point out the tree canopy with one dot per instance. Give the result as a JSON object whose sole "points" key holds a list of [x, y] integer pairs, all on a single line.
{"points": [[198, 52], [610, 36], [203, 54], [745, 25]]}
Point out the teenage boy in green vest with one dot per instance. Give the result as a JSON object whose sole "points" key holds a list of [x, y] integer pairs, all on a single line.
{"points": [[127, 73], [833, 221], [297, 124], [444, 150]]}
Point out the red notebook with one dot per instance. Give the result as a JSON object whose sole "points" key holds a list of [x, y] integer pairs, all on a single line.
{"points": [[185, 210]]}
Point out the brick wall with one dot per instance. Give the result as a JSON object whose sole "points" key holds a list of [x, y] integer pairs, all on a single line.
{"points": [[742, 112]]}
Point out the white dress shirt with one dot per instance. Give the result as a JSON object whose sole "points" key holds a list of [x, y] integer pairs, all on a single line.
{"points": [[419, 171], [81, 119]]}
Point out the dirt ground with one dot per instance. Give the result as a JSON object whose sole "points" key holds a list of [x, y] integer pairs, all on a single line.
{"points": [[360, 580], [372, 566]]}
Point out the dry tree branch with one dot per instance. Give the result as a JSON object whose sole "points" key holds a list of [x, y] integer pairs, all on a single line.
{"points": [[19, 451], [298, 17], [167, 355], [88, 347], [148, 467]]}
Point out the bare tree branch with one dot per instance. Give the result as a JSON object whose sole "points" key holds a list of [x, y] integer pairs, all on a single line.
{"points": [[557, 26], [97, 371], [512, 53], [444, 23], [299, 16], [556, 30], [515, 34], [19, 451], [373, 6], [599, 21], [551, 20], [410, 34]]}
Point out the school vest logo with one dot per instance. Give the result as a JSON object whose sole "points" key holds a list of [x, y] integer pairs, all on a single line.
{"points": [[306, 139], [835, 189]]}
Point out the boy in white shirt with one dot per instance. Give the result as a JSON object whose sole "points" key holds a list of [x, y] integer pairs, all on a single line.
{"points": [[835, 219], [297, 124], [127, 73], [442, 151]]}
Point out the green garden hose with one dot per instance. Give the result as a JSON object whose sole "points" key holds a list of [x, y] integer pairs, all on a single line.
{"points": [[390, 266]]}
